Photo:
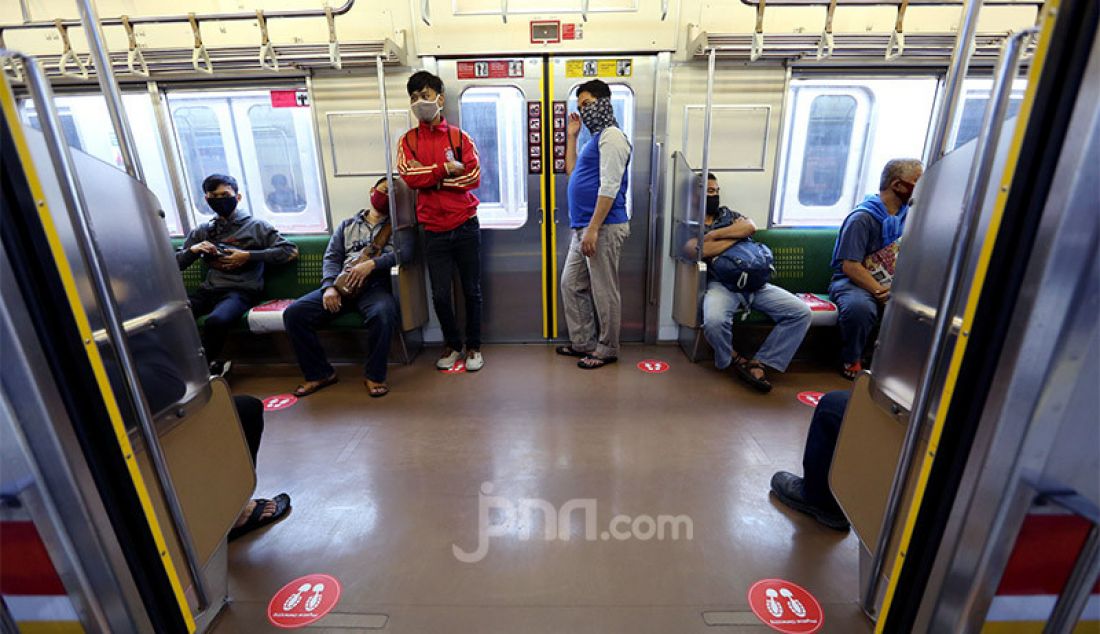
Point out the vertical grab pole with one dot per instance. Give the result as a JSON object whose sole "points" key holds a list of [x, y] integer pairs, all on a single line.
{"points": [[73, 195], [956, 75], [702, 212], [386, 133], [105, 73], [973, 199]]}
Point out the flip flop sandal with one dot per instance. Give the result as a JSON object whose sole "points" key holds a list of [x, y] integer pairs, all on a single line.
{"points": [[377, 391], [568, 351], [744, 370], [302, 390], [257, 520], [586, 362]]}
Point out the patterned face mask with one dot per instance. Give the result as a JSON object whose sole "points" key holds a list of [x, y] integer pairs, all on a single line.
{"points": [[599, 115]]}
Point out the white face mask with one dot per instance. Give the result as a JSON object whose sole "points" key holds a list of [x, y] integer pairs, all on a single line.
{"points": [[426, 110]]}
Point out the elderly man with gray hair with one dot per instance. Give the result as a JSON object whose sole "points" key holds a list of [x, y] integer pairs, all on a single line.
{"points": [[864, 256]]}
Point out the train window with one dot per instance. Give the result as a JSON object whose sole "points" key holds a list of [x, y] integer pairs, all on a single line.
{"points": [[827, 145], [270, 151], [622, 102], [975, 99], [87, 127], [838, 133], [494, 117]]}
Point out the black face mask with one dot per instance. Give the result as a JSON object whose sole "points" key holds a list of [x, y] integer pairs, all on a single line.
{"points": [[224, 207], [712, 205]]}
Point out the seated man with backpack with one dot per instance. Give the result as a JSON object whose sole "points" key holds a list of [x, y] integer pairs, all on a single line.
{"points": [[739, 270]]}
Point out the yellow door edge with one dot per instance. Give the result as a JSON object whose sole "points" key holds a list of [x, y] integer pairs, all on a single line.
{"points": [[958, 353], [68, 281]]}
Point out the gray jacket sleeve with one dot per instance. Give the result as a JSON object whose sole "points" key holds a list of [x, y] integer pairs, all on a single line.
{"points": [[276, 247], [184, 257], [614, 156], [334, 257]]}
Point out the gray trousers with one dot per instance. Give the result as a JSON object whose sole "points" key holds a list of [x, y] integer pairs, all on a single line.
{"points": [[590, 292]]}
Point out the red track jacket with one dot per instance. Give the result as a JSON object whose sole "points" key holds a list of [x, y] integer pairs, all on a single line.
{"points": [[443, 203]]}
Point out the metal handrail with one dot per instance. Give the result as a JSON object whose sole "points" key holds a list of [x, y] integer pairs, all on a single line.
{"points": [[890, 3], [973, 199], [705, 167], [73, 195], [183, 17], [390, 193], [105, 73], [953, 83], [148, 321]]}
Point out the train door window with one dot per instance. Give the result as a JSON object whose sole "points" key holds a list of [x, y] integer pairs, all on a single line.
{"points": [[270, 151], [495, 118], [975, 99], [837, 136], [87, 127], [622, 102]]}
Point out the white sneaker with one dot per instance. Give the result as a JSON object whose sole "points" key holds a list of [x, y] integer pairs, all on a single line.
{"points": [[447, 361], [474, 361]]}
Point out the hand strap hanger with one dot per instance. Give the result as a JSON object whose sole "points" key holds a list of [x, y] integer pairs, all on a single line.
{"points": [[758, 34], [268, 59], [825, 44], [333, 43], [68, 56], [135, 58], [9, 65], [896, 46], [199, 54]]}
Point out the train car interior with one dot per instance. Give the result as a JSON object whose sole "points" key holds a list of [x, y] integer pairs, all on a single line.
{"points": [[550, 316]]}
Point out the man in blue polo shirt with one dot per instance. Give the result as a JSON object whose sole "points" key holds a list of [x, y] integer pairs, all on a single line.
{"points": [[863, 266], [599, 224]]}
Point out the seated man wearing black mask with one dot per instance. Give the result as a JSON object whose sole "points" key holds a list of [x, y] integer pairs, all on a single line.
{"points": [[235, 247], [724, 228]]}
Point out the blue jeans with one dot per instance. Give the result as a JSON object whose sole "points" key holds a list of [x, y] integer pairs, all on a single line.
{"points": [[790, 314], [223, 309], [858, 314], [307, 313], [820, 447], [444, 252]]}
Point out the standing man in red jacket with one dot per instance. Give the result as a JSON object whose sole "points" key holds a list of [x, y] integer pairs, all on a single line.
{"points": [[441, 163]]}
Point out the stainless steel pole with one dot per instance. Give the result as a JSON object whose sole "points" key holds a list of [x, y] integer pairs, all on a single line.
{"points": [[956, 75], [77, 207], [107, 83], [386, 132], [973, 199], [705, 167]]}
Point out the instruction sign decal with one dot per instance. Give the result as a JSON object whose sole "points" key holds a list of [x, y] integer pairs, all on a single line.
{"points": [[588, 68], [491, 69], [289, 99], [785, 607], [303, 601]]}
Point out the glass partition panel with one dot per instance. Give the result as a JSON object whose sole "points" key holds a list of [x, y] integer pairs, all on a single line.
{"points": [[687, 215]]}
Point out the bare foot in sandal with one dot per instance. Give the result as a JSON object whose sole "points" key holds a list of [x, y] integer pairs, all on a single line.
{"points": [[752, 372], [376, 390], [309, 387]]}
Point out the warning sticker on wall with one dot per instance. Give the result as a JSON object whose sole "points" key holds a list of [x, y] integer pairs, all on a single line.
{"points": [[580, 68], [491, 69], [289, 99]]}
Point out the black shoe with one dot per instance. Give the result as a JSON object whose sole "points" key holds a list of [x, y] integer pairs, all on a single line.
{"points": [[220, 368], [788, 488]]}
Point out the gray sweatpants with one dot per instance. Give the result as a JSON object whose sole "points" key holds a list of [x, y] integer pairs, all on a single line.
{"points": [[590, 292]]}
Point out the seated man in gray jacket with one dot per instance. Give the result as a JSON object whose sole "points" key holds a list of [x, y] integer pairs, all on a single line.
{"points": [[361, 248], [235, 247]]}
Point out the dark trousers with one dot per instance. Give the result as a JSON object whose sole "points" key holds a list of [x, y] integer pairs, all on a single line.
{"points": [[379, 312], [223, 310], [820, 445], [251, 412], [858, 315], [444, 252]]}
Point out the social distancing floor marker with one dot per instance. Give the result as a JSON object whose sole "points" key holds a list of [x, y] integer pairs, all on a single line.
{"points": [[810, 398], [279, 401], [785, 606], [458, 368], [653, 366], [303, 601]]}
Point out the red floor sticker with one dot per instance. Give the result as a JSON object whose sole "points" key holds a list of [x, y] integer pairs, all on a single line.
{"points": [[303, 601], [810, 398], [279, 401], [653, 366], [785, 607], [458, 368]]}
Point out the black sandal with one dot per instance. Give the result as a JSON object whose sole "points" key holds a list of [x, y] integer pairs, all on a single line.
{"points": [[586, 362], [257, 520], [568, 351], [760, 384]]}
